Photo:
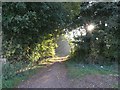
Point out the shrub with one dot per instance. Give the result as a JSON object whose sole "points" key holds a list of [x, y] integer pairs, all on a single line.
{"points": [[9, 69]]}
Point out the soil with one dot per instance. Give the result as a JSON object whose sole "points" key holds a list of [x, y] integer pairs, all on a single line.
{"points": [[55, 76], [95, 81]]}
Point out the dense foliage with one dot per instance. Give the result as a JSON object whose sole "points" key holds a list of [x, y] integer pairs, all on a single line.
{"points": [[102, 44], [30, 32], [30, 29]]}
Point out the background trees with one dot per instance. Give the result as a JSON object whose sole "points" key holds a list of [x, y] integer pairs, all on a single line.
{"points": [[30, 30], [105, 37]]}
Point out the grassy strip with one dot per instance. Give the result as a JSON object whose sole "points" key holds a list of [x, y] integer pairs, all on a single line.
{"points": [[79, 70], [14, 81]]}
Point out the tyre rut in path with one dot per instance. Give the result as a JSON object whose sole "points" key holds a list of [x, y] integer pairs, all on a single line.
{"points": [[53, 76]]}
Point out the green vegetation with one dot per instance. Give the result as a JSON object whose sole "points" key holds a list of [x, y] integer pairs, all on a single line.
{"points": [[30, 31], [13, 74], [115, 86], [76, 70], [101, 44]]}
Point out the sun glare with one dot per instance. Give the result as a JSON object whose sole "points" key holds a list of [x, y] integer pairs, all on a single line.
{"points": [[90, 27]]}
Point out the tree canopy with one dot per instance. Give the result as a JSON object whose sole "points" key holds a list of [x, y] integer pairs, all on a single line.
{"points": [[30, 29], [104, 39]]}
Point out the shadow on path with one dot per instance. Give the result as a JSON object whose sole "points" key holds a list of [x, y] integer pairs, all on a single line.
{"points": [[53, 76]]}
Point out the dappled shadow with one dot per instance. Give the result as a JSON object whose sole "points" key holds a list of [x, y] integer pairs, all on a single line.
{"points": [[53, 60], [53, 76], [43, 63]]}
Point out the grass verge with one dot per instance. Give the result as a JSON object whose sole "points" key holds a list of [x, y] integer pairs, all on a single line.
{"points": [[13, 81], [76, 70]]}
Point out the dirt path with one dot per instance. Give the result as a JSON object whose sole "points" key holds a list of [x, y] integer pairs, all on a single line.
{"points": [[95, 81], [51, 77], [55, 76]]}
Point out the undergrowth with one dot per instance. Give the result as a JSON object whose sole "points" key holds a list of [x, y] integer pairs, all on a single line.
{"points": [[11, 78]]}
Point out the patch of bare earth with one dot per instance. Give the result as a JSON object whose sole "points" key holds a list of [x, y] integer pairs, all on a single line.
{"points": [[55, 76]]}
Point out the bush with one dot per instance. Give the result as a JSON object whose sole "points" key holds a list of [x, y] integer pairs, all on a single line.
{"points": [[9, 69], [14, 73]]}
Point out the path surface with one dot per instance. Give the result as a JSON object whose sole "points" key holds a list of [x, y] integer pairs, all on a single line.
{"points": [[51, 77], [95, 81], [55, 76]]}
